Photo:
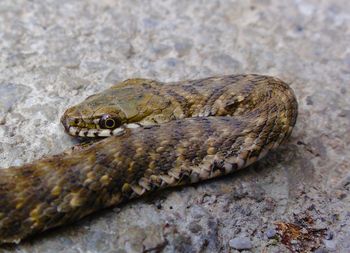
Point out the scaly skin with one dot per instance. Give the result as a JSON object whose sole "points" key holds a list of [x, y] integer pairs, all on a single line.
{"points": [[186, 132]]}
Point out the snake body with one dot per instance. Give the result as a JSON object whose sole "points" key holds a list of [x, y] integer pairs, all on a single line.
{"points": [[160, 135]]}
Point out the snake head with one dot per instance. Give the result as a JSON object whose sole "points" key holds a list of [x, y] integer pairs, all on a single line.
{"points": [[84, 121], [130, 104]]}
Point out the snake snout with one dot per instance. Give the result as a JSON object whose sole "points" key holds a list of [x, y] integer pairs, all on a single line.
{"points": [[72, 126], [70, 120], [64, 122]]}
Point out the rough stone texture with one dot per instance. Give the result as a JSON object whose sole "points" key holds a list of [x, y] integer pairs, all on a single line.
{"points": [[55, 53]]}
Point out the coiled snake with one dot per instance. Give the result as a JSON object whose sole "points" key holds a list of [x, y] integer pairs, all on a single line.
{"points": [[160, 135]]}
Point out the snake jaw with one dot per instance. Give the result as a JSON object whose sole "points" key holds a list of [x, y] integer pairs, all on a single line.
{"points": [[98, 132], [91, 129], [94, 132]]}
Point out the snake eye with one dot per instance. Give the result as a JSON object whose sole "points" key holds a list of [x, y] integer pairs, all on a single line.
{"points": [[108, 122]]}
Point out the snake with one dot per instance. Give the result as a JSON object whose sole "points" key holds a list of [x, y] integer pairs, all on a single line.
{"points": [[149, 135]]}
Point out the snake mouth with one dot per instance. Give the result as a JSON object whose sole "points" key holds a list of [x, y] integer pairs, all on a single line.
{"points": [[90, 129], [94, 132]]}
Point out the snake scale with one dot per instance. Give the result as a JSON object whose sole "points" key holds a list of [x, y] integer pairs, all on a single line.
{"points": [[159, 135]]}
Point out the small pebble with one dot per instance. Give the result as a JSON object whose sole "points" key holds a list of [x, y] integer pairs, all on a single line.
{"points": [[271, 233], [2, 119], [330, 244], [329, 235], [309, 100], [293, 241], [240, 243], [194, 227], [321, 250]]}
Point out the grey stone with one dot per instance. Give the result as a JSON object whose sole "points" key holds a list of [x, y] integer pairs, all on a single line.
{"points": [[271, 233], [194, 227], [321, 250], [309, 100], [344, 113], [183, 47], [223, 61], [325, 99], [10, 94], [241, 243], [329, 235], [182, 243], [330, 244]]}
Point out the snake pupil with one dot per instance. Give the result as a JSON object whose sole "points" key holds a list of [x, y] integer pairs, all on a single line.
{"points": [[107, 121]]}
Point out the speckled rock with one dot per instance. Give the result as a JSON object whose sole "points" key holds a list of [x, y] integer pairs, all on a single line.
{"points": [[241, 243], [56, 53]]}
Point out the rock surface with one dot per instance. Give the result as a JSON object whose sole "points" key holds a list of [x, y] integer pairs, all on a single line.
{"points": [[56, 53]]}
